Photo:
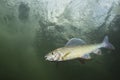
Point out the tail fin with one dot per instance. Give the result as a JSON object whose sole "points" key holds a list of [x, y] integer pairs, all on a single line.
{"points": [[107, 44]]}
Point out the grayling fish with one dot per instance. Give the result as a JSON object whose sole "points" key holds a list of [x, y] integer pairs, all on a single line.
{"points": [[76, 48]]}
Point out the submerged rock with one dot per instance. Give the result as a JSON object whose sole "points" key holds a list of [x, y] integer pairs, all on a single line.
{"points": [[77, 18], [69, 18]]}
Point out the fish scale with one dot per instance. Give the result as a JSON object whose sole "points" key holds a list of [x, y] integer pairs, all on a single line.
{"points": [[77, 48]]}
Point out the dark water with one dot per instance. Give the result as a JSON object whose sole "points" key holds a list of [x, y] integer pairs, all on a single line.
{"points": [[23, 47], [22, 58]]}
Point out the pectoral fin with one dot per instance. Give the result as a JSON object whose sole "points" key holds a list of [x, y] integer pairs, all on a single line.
{"points": [[65, 55]]}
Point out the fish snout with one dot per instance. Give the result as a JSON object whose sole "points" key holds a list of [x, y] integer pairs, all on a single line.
{"points": [[49, 58], [45, 58]]}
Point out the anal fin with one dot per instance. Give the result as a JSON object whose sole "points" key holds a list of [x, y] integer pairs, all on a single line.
{"points": [[86, 56], [97, 51]]}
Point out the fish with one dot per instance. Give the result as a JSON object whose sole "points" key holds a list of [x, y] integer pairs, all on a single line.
{"points": [[77, 48]]}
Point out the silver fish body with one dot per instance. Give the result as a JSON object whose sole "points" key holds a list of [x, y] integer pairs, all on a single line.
{"points": [[77, 51]]}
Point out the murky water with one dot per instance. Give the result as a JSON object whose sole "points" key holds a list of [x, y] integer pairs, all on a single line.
{"points": [[25, 38]]}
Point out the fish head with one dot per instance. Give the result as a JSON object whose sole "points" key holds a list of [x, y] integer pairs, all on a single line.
{"points": [[53, 56], [50, 57]]}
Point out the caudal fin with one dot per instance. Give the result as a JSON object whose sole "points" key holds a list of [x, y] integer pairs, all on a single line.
{"points": [[107, 44]]}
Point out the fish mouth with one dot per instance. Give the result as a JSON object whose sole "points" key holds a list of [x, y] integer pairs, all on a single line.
{"points": [[48, 58]]}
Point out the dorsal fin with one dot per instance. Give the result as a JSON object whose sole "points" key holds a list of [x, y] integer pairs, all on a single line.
{"points": [[75, 42]]}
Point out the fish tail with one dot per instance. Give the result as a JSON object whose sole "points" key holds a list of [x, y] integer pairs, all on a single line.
{"points": [[107, 44]]}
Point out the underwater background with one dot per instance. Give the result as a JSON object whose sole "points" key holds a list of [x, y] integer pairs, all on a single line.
{"points": [[30, 29]]}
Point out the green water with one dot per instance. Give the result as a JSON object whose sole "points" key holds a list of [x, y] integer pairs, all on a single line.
{"points": [[22, 58], [24, 41]]}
